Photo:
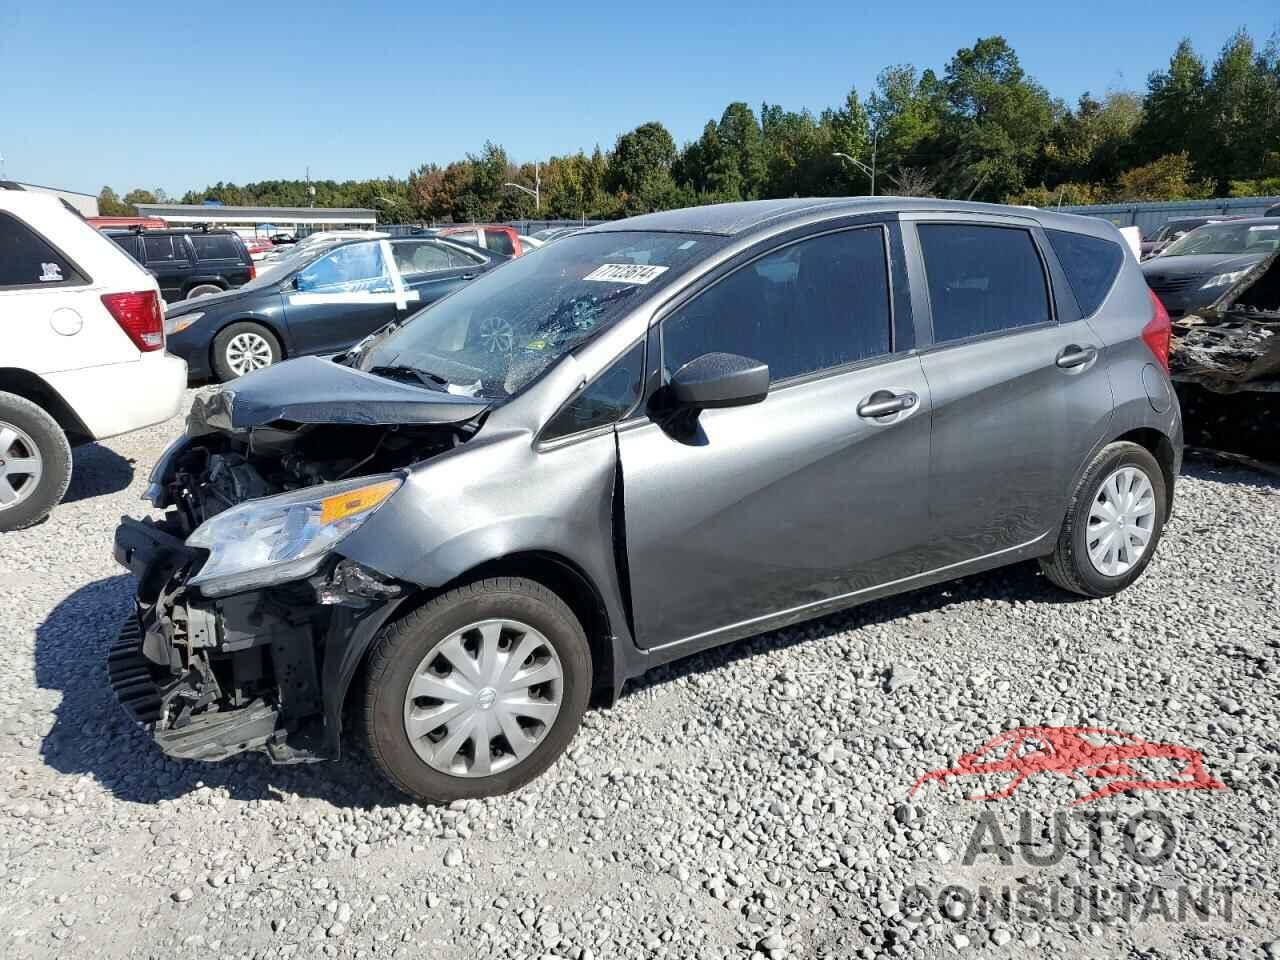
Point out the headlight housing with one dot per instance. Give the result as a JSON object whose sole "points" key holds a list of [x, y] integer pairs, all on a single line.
{"points": [[156, 492], [177, 324], [1224, 279], [276, 539]]}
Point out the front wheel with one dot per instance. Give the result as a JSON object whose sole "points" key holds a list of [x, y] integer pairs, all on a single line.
{"points": [[477, 692], [242, 348], [35, 462], [1113, 523]]}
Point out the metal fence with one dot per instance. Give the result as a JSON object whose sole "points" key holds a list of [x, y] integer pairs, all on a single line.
{"points": [[1150, 217]]}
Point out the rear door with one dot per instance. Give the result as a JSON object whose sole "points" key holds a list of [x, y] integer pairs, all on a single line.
{"points": [[166, 256], [221, 257], [799, 500], [1019, 397], [428, 271], [340, 297]]}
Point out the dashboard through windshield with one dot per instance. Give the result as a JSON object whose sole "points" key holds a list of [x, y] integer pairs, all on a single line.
{"points": [[498, 333]]}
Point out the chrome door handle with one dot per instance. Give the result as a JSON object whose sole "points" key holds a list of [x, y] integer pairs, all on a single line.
{"points": [[883, 403], [1074, 355]]}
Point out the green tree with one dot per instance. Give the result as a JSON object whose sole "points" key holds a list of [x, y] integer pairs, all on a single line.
{"points": [[1174, 109], [640, 169], [1241, 109], [1167, 178], [110, 205], [996, 122]]}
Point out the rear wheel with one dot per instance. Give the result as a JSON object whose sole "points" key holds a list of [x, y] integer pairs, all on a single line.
{"points": [[203, 290], [242, 348], [1113, 523], [477, 692], [35, 462]]}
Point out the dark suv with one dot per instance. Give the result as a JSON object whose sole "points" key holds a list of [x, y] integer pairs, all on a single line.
{"points": [[189, 263], [652, 437]]}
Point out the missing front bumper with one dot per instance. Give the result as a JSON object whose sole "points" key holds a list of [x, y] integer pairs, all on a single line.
{"points": [[162, 705]]}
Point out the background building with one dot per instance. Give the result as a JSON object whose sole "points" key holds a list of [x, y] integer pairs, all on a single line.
{"points": [[282, 219]]}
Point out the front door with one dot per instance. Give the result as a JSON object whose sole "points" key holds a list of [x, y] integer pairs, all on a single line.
{"points": [[800, 499], [1019, 398], [340, 298]]}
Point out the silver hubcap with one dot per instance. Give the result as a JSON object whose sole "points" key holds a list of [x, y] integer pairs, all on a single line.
{"points": [[1121, 521], [248, 351], [483, 698], [20, 466]]}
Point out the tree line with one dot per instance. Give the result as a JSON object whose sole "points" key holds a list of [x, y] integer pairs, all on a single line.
{"points": [[980, 129]]}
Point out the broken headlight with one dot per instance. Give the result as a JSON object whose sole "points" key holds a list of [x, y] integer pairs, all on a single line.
{"points": [[281, 538]]}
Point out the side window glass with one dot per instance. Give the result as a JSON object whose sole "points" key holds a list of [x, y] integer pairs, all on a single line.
{"points": [[458, 258], [1090, 263], [418, 256], [26, 260], [128, 243], [353, 268], [180, 249], [157, 249], [806, 307], [607, 399], [982, 279]]}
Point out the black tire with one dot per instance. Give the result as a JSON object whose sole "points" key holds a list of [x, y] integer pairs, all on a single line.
{"points": [[222, 366], [204, 290], [1069, 565], [54, 453], [401, 646]]}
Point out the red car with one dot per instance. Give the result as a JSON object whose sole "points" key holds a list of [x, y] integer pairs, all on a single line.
{"points": [[495, 237], [258, 247], [1078, 752]]}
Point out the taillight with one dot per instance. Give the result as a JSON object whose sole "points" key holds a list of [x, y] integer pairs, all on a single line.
{"points": [[253, 272], [139, 316], [1157, 331]]}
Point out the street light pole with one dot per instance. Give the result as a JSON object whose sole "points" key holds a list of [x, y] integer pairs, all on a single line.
{"points": [[536, 192], [870, 171]]}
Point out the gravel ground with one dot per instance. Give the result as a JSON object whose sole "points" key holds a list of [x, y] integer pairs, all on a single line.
{"points": [[750, 802]]}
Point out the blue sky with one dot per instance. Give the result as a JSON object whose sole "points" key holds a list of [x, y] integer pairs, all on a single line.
{"points": [[179, 95]]}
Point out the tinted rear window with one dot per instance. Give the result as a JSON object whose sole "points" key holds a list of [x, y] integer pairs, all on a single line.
{"points": [[982, 279], [27, 260], [1090, 263], [216, 246]]}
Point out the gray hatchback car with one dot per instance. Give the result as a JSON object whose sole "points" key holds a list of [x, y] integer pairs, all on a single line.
{"points": [[652, 437]]}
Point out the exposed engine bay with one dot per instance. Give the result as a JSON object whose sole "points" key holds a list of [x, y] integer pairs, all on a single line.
{"points": [[220, 470]]}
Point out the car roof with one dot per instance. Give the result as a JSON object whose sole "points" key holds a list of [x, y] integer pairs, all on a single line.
{"points": [[766, 216]]}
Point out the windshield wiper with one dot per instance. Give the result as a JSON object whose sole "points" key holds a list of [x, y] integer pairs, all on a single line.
{"points": [[400, 371]]}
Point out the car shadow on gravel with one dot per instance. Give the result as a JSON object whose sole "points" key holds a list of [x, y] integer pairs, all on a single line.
{"points": [[91, 735], [97, 471], [1022, 582]]}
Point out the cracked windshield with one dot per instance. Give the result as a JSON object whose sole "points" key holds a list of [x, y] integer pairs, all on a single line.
{"points": [[500, 332]]}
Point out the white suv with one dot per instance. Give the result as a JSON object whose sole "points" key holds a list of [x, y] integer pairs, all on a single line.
{"points": [[83, 355]]}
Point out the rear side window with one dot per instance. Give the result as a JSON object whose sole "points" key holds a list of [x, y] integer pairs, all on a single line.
{"points": [[806, 307], [982, 279], [1090, 263], [126, 242], [459, 258], [163, 249], [215, 246], [27, 259], [607, 399], [419, 256], [499, 241]]}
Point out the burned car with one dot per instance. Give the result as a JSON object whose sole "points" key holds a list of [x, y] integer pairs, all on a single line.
{"points": [[653, 437]]}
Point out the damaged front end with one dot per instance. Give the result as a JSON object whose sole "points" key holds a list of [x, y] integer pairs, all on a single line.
{"points": [[249, 623], [1234, 345]]}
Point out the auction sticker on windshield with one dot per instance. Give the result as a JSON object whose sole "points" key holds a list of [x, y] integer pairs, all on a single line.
{"points": [[625, 273]]}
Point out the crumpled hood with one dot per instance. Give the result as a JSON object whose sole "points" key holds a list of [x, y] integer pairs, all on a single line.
{"points": [[317, 390]]}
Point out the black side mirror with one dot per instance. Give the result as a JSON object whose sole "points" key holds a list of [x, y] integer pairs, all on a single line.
{"points": [[719, 380]]}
